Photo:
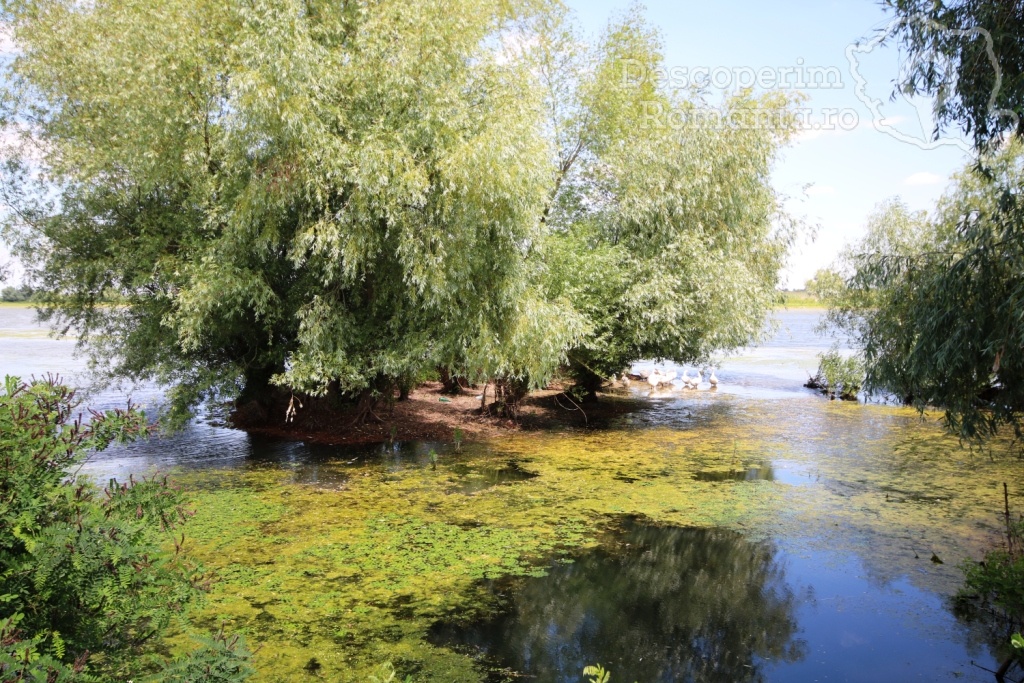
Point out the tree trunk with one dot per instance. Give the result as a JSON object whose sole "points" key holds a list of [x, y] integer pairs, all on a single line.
{"points": [[508, 394], [255, 403], [453, 384], [405, 387], [588, 382], [257, 386], [365, 406]]}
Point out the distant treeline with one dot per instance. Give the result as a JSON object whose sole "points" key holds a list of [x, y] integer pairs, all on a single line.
{"points": [[19, 294]]}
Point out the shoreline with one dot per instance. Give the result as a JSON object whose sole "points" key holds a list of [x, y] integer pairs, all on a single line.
{"points": [[429, 415]]}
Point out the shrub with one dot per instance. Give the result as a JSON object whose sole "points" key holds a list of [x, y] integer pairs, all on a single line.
{"points": [[838, 376], [87, 579], [16, 294]]}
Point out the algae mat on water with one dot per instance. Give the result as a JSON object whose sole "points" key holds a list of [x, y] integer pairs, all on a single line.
{"points": [[333, 580]]}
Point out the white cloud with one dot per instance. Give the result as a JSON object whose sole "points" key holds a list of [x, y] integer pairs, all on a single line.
{"points": [[924, 178]]}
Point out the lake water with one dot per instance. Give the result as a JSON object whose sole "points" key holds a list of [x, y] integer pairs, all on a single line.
{"points": [[755, 533]]}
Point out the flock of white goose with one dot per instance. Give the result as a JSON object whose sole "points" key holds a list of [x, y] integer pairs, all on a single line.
{"points": [[669, 379]]}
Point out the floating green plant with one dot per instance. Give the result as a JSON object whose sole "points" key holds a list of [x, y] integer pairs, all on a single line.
{"points": [[358, 576]]}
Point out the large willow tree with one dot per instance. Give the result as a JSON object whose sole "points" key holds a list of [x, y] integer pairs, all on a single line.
{"points": [[326, 195], [935, 301], [336, 197], [664, 229]]}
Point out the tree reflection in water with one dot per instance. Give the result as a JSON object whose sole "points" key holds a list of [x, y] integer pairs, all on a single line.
{"points": [[659, 604]]}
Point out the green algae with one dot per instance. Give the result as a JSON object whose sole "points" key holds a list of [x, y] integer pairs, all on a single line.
{"points": [[356, 574]]}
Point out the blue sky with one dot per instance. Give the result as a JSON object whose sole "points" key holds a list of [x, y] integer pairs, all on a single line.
{"points": [[851, 168]]}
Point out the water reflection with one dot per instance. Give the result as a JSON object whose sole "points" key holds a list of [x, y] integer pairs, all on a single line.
{"points": [[480, 478], [756, 473], [660, 604]]}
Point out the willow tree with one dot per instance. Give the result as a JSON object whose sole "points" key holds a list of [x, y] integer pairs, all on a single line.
{"points": [[935, 301], [663, 228], [969, 56], [332, 197], [326, 196]]}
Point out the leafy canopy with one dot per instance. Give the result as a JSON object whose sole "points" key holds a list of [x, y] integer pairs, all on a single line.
{"points": [[935, 302], [664, 231], [334, 197], [306, 192], [969, 56]]}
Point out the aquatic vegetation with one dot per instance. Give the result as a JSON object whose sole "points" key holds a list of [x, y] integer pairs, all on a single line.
{"points": [[360, 574]]}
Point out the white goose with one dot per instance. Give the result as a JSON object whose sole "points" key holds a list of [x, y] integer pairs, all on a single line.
{"points": [[713, 379], [698, 380], [687, 380], [666, 377]]}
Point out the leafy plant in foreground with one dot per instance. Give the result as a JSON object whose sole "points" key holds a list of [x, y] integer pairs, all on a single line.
{"points": [[598, 674], [220, 659], [996, 585], [88, 579]]}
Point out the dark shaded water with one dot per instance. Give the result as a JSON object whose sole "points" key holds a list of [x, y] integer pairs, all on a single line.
{"points": [[658, 604]]}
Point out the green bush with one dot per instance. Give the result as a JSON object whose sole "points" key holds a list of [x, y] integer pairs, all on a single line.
{"points": [[838, 376], [87, 582], [998, 580]]}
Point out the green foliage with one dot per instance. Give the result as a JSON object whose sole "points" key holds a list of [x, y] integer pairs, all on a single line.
{"points": [[28, 659], [934, 303], [597, 674], [826, 283], [661, 216], [998, 580], [82, 571], [220, 659], [336, 198], [951, 61], [838, 376], [325, 196], [386, 674], [17, 294]]}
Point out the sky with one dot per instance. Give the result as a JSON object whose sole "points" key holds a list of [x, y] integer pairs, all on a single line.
{"points": [[833, 176]]}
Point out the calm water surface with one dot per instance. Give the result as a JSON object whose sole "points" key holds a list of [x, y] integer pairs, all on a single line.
{"points": [[815, 595]]}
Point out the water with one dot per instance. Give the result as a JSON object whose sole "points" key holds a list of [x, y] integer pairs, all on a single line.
{"points": [[792, 541], [776, 370], [710, 606]]}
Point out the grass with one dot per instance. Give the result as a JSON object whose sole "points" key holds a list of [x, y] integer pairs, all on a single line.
{"points": [[800, 299]]}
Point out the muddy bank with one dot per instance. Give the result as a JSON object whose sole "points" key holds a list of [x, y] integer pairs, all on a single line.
{"points": [[431, 415]]}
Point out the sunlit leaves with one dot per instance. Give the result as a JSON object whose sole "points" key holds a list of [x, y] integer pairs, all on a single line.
{"points": [[935, 302]]}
